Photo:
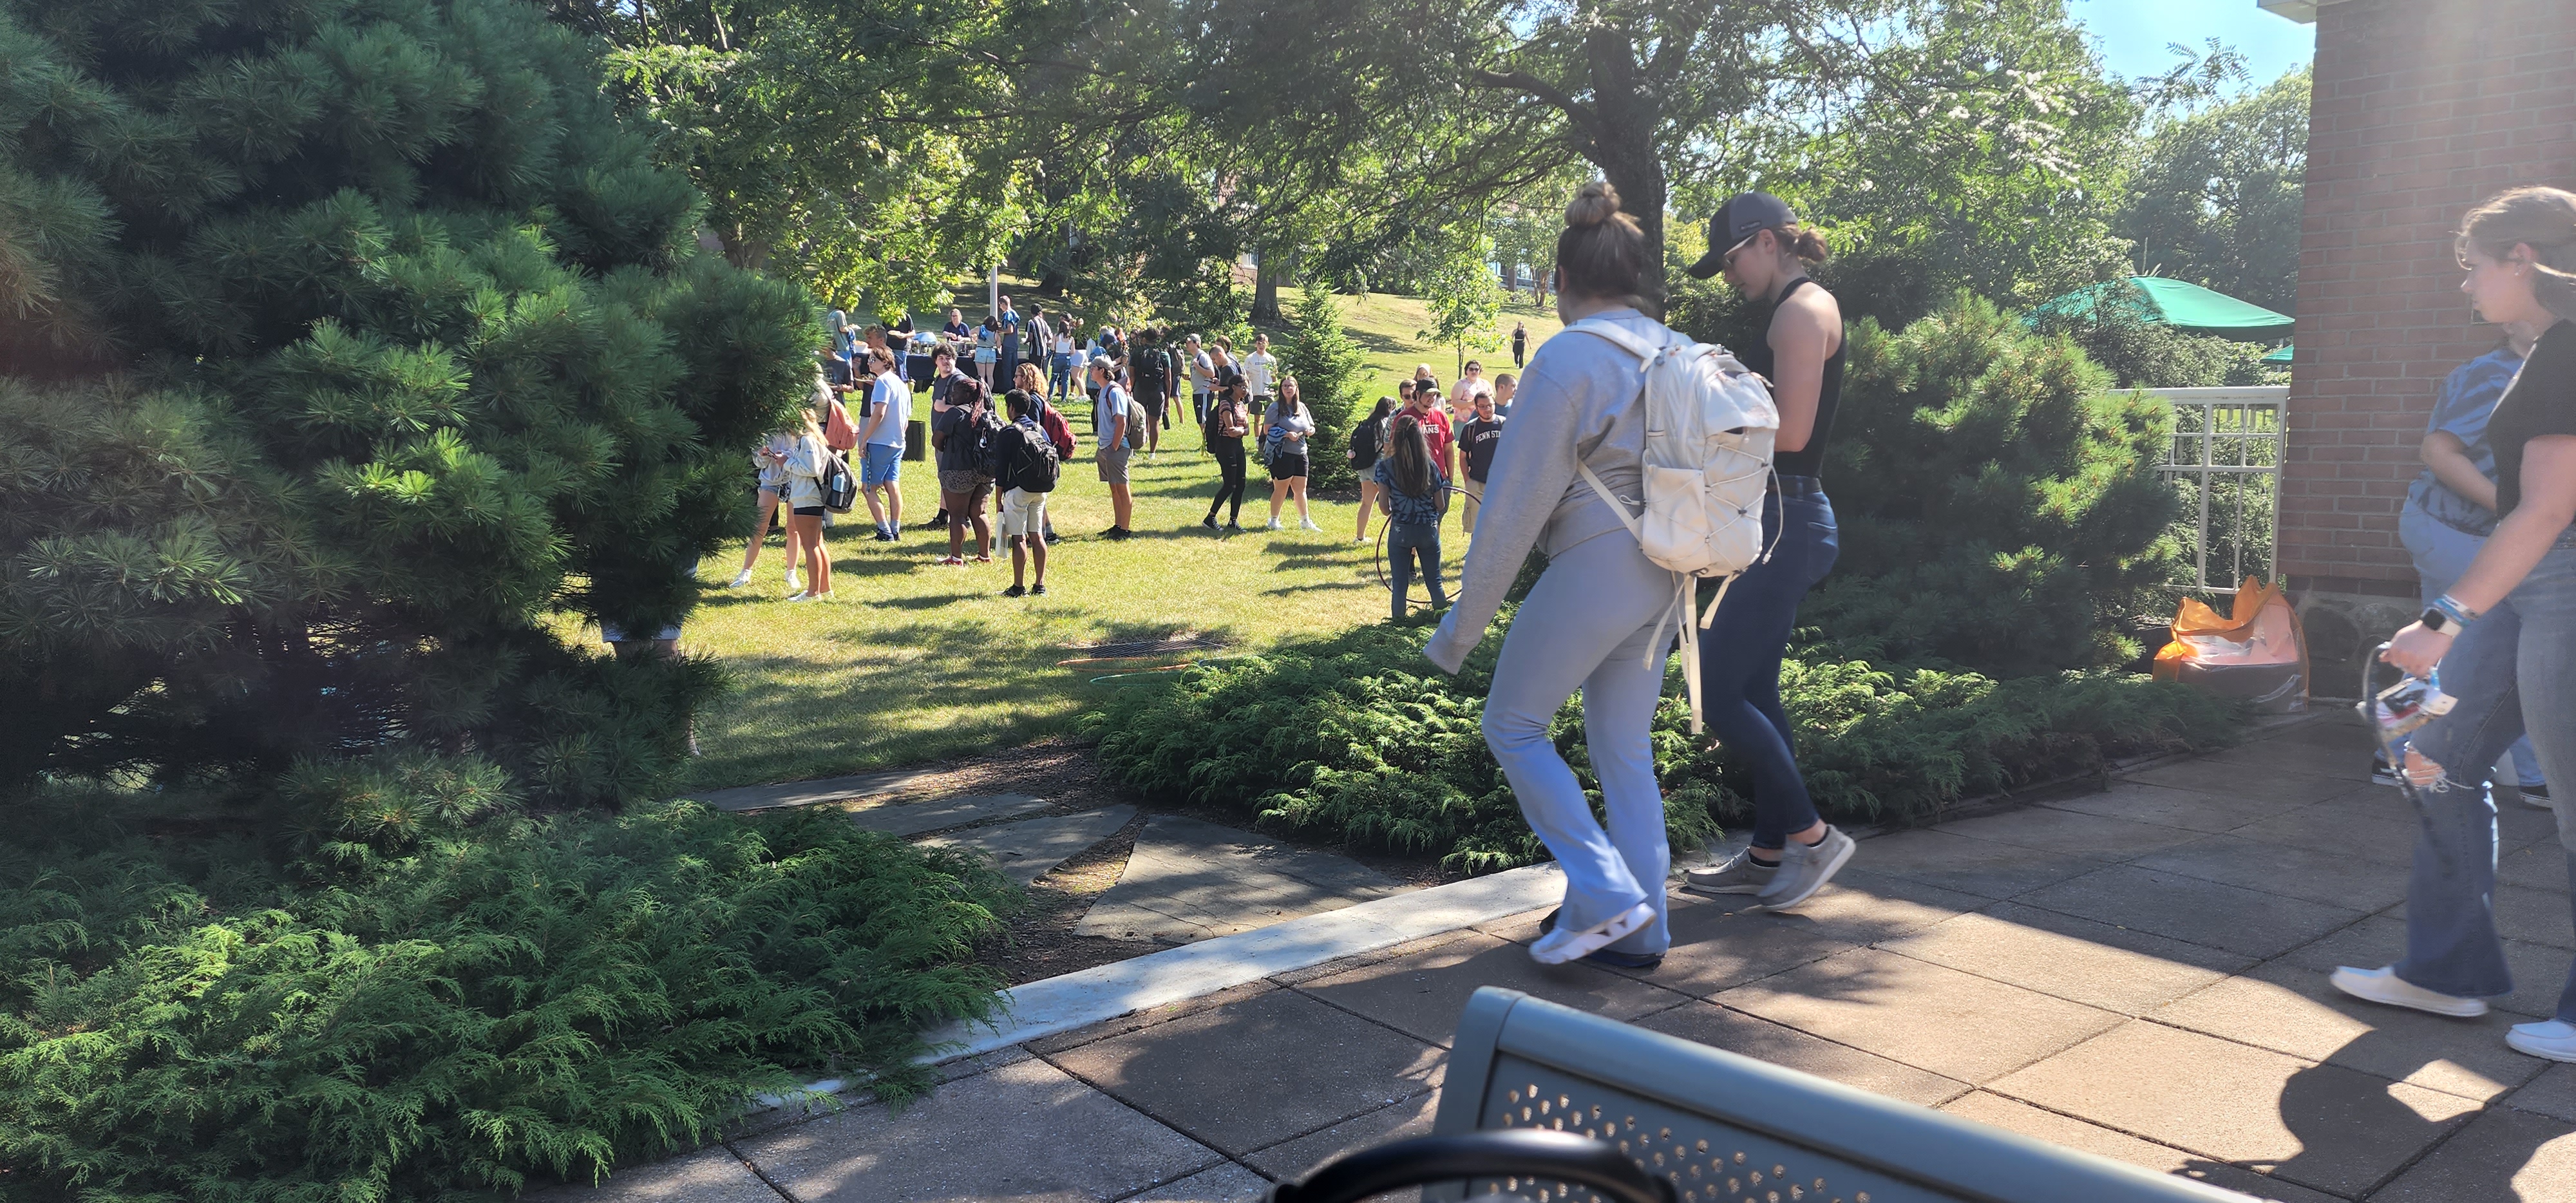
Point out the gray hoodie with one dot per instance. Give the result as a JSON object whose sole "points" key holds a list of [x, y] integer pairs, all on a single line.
{"points": [[1579, 400]]}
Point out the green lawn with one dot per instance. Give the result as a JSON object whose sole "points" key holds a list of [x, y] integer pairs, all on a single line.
{"points": [[914, 662]]}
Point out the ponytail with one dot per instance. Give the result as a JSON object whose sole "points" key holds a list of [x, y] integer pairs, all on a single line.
{"points": [[2543, 219]]}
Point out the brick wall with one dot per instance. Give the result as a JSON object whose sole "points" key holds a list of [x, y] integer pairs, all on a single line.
{"points": [[2422, 108]]}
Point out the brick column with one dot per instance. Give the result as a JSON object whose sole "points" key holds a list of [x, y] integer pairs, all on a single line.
{"points": [[2422, 108]]}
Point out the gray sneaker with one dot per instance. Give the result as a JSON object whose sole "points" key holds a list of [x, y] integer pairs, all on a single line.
{"points": [[1737, 876], [1805, 870]]}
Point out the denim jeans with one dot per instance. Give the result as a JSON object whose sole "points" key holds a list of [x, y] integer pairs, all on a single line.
{"points": [[2512, 670], [2442, 553], [1591, 623], [1740, 652], [1406, 541], [1059, 375]]}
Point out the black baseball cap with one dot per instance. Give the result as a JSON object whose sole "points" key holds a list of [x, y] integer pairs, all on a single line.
{"points": [[1741, 218]]}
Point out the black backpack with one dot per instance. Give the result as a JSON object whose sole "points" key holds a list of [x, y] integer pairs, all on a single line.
{"points": [[840, 488], [1033, 466], [1153, 371]]}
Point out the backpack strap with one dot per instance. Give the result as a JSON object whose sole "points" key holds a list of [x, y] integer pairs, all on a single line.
{"points": [[1619, 337]]}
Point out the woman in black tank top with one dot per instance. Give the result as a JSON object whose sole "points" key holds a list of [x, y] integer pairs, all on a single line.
{"points": [[1765, 253]]}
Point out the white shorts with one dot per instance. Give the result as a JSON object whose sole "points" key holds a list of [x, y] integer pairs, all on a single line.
{"points": [[1023, 513]]}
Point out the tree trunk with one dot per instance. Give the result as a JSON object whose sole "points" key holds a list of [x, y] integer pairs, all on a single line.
{"points": [[1623, 147], [1265, 291]]}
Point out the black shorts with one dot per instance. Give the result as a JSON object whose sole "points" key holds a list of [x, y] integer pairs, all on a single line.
{"points": [[1288, 466], [807, 511]]}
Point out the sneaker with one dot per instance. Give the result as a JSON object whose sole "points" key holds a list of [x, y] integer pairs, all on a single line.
{"points": [[1015, 591], [1607, 956], [1737, 876], [983, 559], [937, 521], [1804, 869], [951, 562], [795, 583], [1362, 540], [2554, 1039], [1309, 524], [1110, 533], [1208, 522], [1274, 525], [1053, 538], [1233, 528], [1121, 534], [884, 535], [1559, 945], [1038, 590], [2384, 986], [2537, 796], [800, 596], [2384, 773], [741, 579]]}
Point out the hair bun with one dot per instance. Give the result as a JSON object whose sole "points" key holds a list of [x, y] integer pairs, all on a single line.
{"points": [[1596, 203]]}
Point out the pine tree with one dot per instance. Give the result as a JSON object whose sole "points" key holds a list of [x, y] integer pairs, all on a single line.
{"points": [[343, 341], [1327, 365], [1999, 505]]}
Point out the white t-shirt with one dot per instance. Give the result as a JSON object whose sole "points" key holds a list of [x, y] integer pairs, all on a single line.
{"points": [[1203, 372], [896, 396], [1257, 368], [1064, 344]]}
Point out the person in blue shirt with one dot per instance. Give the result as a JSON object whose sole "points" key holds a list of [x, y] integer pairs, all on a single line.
{"points": [[1414, 493], [881, 436], [2450, 510]]}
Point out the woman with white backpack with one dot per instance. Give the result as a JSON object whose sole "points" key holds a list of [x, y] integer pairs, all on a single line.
{"points": [[1599, 619], [1764, 252]]}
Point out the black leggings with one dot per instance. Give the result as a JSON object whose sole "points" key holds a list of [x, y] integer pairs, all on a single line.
{"points": [[1229, 458]]}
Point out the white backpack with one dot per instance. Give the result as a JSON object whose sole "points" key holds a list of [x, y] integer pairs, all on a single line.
{"points": [[1710, 425]]}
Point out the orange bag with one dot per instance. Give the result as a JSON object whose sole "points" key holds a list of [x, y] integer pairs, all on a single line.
{"points": [[838, 433], [2257, 652]]}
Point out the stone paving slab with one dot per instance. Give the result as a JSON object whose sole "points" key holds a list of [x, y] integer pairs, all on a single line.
{"points": [[1421, 994], [2285, 869], [2324, 1126], [1917, 1013], [2553, 1094], [2116, 969], [1259, 1071], [2248, 777], [809, 793], [2167, 806], [2501, 1155], [912, 816], [2542, 866], [1400, 1121], [1996, 1111], [1976, 866], [2190, 909], [1737, 1032], [2071, 832], [1228, 1183], [2294, 1010], [1189, 880], [1026, 1132], [1031, 848]]}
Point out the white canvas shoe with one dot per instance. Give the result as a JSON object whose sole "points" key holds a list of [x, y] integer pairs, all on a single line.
{"points": [[741, 579], [2384, 986], [2552, 1039], [1560, 945]]}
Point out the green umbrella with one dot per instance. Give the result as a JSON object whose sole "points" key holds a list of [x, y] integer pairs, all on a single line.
{"points": [[2182, 305], [2280, 355]]}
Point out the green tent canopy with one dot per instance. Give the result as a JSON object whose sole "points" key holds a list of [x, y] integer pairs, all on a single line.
{"points": [[2280, 354], [2182, 305]]}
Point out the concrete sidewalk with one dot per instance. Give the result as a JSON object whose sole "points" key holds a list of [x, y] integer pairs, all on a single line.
{"points": [[2137, 973]]}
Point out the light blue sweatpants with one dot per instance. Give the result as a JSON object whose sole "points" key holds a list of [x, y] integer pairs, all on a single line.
{"points": [[1589, 624]]}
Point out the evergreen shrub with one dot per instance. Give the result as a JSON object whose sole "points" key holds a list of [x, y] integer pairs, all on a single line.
{"points": [[343, 340], [1330, 371], [444, 996], [1358, 740]]}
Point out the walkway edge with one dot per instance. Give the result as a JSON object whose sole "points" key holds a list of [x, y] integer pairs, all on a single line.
{"points": [[1073, 1000]]}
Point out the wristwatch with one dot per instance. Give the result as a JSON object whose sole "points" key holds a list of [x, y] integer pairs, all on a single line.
{"points": [[2439, 623]]}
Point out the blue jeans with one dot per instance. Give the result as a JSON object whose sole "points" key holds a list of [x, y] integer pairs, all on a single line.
{"points": [[2512, 670], [1059, 375], [1406, 541], [2442, 553], [1739, 656], [1593, 623]]}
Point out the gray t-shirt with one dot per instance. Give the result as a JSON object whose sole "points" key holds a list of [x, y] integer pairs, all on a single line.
{"points": [[1578, 402], [1297, 426]]}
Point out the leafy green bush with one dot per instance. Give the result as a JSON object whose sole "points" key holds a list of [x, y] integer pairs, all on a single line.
{"points": [[1328, 365], [346, 340], [1357, 739], [445, 996], [1999, 505]]}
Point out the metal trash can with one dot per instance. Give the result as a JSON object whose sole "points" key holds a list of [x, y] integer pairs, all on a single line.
{"points": [[916, 440]]}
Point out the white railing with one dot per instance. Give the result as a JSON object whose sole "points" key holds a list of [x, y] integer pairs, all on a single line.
{"points": [[2226, 457]]}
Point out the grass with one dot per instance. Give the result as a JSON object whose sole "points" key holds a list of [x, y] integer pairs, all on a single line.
{"points": [[914, 662]]}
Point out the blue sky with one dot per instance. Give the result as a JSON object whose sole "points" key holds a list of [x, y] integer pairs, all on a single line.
{"points": [[2132, 34]]}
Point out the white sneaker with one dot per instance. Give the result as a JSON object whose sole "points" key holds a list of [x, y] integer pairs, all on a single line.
{"points": [[800, 596], [2553, 1039], [795, 582], [1309, 524], [2384, 986], [740, 580], [1560, 945], [1362, 540], [1274, 525]]}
